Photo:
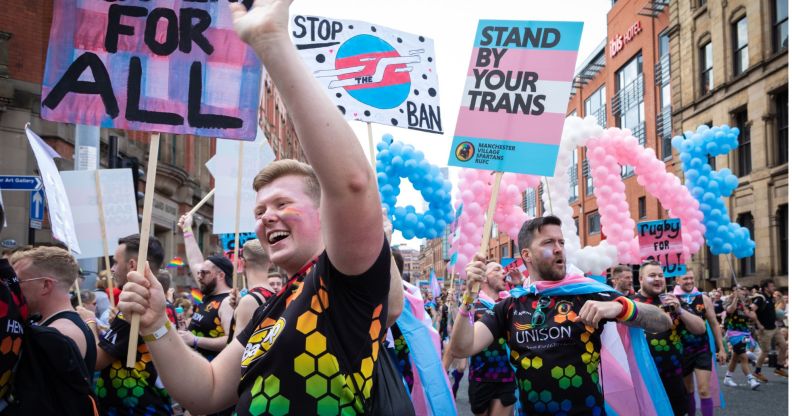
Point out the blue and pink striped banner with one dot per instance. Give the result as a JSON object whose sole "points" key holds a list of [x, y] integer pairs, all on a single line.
{"points": [[516, 94]]}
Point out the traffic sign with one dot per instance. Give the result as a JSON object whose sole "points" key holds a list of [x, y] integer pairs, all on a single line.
{"points": [[20, 183], [36, 208]]}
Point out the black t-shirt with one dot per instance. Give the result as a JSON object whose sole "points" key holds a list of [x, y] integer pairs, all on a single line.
{"points": [[491, 364], [206, 322], [556, 359], [694, 344], [13, 312], [90, 341], [765, 311], [717, 305], [129, 391], [666, 347], [312, 349]]}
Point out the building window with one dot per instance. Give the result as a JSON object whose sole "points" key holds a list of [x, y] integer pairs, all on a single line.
{"points": [[783, 237], [663, 80], [700, 3], [595, 106], [747, 264], [629, 108], [587, 173], [593, 221], [782, 126], [780, 27], [740, 45], [705, 63], [744, 142], [642, 207], [530, 202], [573, 177], [713, 265]]}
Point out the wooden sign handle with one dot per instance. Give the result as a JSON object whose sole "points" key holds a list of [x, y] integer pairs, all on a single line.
{"points": [[145, 230], [105, 249], [488, 223], [201, 203], [236, 219]]}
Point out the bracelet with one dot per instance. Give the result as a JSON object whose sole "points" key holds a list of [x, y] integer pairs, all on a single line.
{"points": [[467, 298], [195, 342], [90, 321], [187, 230], [629, 309], [159, 333], [188, 234]]}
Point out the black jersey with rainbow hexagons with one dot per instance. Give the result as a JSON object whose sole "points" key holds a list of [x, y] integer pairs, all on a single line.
{"points": [[311, 349], [666, 347], [556, 359], [129, 391], [206, 322]]}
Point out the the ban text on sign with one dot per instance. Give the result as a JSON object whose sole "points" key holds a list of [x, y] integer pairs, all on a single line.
{"points": [[661, 241], [167, 66], [516, 95], [371, 72]]}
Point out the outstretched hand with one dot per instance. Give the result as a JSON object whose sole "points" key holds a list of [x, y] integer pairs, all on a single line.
{"points": [[265, 19], [143, 295]]}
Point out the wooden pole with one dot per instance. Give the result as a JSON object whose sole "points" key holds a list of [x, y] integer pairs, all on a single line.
{"points": [[105, 249], [145, 230], [201, 203], [729, 261], [236, 220], [488, 223], [372, 155]]}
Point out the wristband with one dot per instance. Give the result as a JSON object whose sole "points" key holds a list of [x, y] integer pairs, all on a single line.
{"points": [[467, 298], [159, 333], [187, 230], [195, 342], [188, 234], [90, 321], [629, 309]]}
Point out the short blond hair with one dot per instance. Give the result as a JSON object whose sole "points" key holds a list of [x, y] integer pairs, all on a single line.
{"points": [[52, 262], [255, 255], [286, 167]]}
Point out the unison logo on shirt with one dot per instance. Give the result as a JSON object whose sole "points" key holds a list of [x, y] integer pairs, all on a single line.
{"points": [[261, 340]]}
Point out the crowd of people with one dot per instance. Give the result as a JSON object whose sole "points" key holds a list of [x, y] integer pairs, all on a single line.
{"points": [[324, 298]]}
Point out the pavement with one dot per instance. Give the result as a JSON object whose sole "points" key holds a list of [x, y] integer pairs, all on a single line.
{"points": [[770, 399]]}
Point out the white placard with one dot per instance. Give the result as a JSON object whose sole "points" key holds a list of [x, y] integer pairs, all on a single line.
{"points": [[223, 166], [120, 208], [371, 72], [60, 211]]}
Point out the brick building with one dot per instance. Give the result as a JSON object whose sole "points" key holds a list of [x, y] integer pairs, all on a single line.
{"points": [[182, 179], [729, 65]]}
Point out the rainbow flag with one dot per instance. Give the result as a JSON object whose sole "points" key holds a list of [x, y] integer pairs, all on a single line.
{"points": [[197, 295], [175, 262]]}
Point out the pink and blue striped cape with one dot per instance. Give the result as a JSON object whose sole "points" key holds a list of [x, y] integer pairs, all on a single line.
{"points": [[431, 389], [629, 377]]}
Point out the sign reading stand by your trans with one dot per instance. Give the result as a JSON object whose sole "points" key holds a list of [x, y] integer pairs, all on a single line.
{"points": [[661, 241], [371, 72], [157, 66], [516, 96]]}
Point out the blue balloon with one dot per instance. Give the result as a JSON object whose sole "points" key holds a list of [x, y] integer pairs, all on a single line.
{"points": [[708, 186]]}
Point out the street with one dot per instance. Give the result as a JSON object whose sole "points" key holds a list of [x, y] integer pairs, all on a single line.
{"points": [[769, 400]]}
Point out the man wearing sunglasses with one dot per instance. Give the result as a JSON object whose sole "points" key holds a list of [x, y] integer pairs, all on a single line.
{"points": [[46, 274], [552, 329], [208, 329]]}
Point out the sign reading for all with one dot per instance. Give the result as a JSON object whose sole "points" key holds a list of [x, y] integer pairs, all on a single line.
{"points": [[516, 95], [159, 65], [661, 241], [372, 73]]}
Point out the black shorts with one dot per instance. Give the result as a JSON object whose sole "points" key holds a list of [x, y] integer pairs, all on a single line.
{"points": [[700, 361], [740, 347], [482, 393]]}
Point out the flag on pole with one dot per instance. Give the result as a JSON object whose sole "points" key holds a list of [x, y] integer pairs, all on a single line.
{"points": [[434, 284]]}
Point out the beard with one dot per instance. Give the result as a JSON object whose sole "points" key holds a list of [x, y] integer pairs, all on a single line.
{"points": [[208, 288], [548, 272]]}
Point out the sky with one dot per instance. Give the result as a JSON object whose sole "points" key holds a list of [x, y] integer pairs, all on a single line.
{"points": [[452, 26]]}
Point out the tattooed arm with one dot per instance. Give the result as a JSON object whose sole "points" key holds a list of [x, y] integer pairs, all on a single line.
{"points": [[651, 318]]}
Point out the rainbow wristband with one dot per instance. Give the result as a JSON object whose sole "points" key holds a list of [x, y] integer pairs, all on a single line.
{"points": [[629, 309]]}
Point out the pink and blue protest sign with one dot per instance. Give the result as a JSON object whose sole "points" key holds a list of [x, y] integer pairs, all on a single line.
{"points": [[516, 96], [171, 66], [662, 241]]}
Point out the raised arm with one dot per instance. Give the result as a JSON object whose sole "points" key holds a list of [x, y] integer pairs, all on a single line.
{"points": [[200, 386], [194, 256], [469, 339], [350, 207]]}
